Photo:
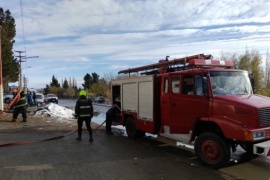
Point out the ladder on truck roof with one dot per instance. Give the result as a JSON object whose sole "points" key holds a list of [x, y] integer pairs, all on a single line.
{"points": [[195, 61]]}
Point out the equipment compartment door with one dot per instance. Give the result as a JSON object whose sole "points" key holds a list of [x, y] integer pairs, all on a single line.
{"points": [[165, 101]]}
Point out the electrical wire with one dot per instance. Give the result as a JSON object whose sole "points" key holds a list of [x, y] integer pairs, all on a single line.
{"points": [[21, 8]]}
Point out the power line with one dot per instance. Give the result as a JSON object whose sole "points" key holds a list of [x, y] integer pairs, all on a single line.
{"points": [[21, 7]]}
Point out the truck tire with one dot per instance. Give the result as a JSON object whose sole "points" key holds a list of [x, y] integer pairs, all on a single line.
{"points": [[140, 134], [212, 150], [130, 127]]}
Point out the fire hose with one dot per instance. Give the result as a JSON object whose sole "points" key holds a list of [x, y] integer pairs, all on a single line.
{"points": [[16, 98], [49, 139]]}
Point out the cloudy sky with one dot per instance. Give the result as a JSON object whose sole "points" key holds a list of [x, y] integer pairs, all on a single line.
{"points": [[75, 37]]}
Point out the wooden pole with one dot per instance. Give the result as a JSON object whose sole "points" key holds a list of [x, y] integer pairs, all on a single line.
{"points": [[1, 79]]}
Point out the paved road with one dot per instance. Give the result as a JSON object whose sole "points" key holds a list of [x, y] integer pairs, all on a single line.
{"points": [[108, 157]]}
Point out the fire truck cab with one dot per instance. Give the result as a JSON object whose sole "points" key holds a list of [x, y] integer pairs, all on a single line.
{"points": [[196, 100]]}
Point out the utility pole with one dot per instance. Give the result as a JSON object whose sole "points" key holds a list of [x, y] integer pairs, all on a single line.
{"points": [[25, 84], [1, 79], [22, 59], [20, 68]]}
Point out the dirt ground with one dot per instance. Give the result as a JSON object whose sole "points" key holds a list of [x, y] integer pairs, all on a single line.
{"points": [[44, 122], [32, 121]]}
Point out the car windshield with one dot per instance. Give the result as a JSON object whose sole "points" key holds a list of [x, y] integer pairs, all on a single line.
{"points": [[7, 93], [39, 96], [230, 83]]}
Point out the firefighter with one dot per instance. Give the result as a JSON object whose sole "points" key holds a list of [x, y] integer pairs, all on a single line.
{"points": [[84, 112], [20, 107], [251, 77], [111, 115]]}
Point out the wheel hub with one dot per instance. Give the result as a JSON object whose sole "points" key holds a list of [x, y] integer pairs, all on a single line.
{"points": [[210, 150]]}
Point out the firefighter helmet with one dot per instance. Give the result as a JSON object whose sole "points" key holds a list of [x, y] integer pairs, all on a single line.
{"points": [[82, 93]]}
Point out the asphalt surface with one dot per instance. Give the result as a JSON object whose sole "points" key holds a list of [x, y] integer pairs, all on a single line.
{"points": [[108, 157]]}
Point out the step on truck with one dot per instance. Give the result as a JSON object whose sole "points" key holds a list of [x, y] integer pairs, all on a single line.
{"points": [[196, 100]]}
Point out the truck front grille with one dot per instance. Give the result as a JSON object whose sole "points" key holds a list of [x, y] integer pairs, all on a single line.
{"points": [[264, 115], [267, 133]]}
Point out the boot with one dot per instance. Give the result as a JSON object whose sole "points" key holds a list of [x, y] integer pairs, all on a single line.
{"points": [[91, 138], [23, 121], [110, 132], [79, 138]]}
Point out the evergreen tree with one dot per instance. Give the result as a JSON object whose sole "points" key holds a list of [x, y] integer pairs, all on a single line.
{"points": [[10, 71], [87, 81], [54, 82], [95, 78], [90, 80], [46, 89], [65, 84]]}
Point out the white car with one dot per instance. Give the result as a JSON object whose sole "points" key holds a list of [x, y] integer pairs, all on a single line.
{"points": [[8, 96], [99, 99], [40, 99], [51, 98]]}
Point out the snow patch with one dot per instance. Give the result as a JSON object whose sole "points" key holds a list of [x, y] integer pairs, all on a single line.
{"points": [[56, 111]]}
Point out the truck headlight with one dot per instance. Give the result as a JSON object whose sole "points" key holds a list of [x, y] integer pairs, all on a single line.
{"points": [[257, 135]]}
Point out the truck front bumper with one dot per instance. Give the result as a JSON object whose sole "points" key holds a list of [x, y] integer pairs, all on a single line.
{"points": [[262, 149]]}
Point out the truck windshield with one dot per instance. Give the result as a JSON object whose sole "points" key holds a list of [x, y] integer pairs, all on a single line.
{"points": [[230, 83]]}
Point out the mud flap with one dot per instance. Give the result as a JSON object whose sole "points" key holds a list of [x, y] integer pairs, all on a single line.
{"points": [[262, 149]]}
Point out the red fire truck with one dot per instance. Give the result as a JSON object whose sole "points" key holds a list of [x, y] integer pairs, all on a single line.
{"points": [[197, 100]]}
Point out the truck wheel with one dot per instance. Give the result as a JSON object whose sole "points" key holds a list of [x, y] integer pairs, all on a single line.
{"points": [[140, 134], [212, 150], [130, 127]]}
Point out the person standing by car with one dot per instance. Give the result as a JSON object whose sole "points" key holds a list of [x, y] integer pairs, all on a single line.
{"points": [[252, 81], [34, 98], [111, 115], [84, 112], [29, 98], [20, 107]]}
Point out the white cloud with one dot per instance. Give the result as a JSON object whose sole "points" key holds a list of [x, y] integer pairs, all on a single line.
{"points": [[75, 37]]}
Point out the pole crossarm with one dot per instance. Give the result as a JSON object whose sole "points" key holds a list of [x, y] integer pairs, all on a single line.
{"points": [[22, 59], [30, 57]]}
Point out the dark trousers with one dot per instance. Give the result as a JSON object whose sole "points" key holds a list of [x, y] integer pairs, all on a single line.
{"points": [[109, 120], [88, 126], [19, 110]]}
